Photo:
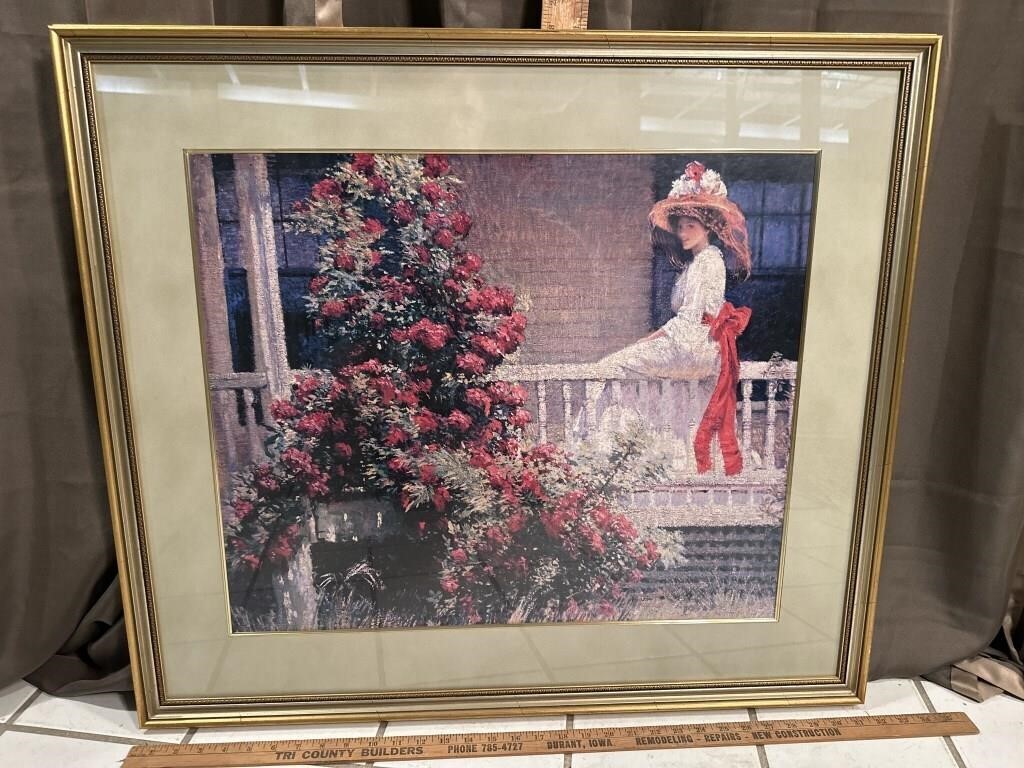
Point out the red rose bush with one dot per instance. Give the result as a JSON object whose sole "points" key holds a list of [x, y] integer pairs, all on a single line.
{"points": [[409, 409]]}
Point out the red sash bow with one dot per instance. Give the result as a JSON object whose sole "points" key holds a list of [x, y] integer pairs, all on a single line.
{"points": [[720, 415]]}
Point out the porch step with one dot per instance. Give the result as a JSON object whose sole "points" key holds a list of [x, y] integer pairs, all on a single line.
{"points": [[725, 558], [708, 517]]}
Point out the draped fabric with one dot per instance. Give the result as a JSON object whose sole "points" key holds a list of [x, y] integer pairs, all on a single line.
{"points": [[720, 416], [62, 626], [953, 573]]}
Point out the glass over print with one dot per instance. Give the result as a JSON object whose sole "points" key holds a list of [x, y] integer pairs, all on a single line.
{"points": [[501, 388], [493, 373]]}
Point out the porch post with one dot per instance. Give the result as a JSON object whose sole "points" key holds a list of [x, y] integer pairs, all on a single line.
{"points": [[259, 255], [214, 309], [294, 590]]}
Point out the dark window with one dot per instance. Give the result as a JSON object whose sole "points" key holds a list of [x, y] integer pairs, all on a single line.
{"points": [[778, 220], [290, 177]]}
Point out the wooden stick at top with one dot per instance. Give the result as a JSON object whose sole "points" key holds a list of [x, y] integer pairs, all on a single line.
{"points": [[561, 15], [328, 13]]}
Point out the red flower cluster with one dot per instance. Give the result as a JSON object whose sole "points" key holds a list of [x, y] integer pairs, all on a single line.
{"points": [[479, 398], [425, 422], [336, 307], [373, 227], [508, 394], [435, 165], [459, 421], [431, 335], [403, 212], [327, 189], [282, 409], [461, 223], [306, 386], [344, 260], [470, 363], [313, 423], [468, 266], [432, 191], [364, 163], [493, 299], [487, 346], [510, 333], [445, 239]]}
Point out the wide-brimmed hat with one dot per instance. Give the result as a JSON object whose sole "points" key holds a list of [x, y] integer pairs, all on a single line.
{"points": [[701, 194]]}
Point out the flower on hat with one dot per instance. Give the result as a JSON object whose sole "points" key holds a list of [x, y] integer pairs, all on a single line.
{"points": [[697, 179]]}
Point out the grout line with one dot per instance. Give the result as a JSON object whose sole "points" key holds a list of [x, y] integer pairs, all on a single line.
{"points": [[540, 658], [18, 712], [189, 734], [85, 736], [923, 694], [926, 700], [824, 635], [6, 725], [710, 664], [381, 727], [762, 753], [567, 757]]}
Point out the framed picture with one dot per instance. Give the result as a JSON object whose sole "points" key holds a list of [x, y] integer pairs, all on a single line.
{"points": [[476, 373]]}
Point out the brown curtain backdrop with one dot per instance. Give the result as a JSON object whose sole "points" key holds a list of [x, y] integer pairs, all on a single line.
{"points": [[953, 553]]}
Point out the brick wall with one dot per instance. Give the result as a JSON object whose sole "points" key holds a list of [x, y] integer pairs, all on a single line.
{"points": [[568, 233]]}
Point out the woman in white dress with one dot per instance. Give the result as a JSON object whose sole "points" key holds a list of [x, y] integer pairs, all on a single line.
{"points": [[698, 344]]}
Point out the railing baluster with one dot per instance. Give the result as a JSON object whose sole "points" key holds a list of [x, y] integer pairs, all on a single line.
{"points": [[769, 430], [542, 409], [643, 401], [692, 420], [747, 387], [252, 428], [665, 408], [592, 391]]}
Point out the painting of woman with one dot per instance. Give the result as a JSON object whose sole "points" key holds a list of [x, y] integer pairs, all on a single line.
{"points": [[698, 343]]}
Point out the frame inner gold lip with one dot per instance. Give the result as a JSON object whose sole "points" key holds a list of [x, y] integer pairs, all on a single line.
{"points": [[66, 39]]}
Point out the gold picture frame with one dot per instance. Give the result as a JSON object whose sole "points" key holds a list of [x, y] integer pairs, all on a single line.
{"points": [[159, 94]]}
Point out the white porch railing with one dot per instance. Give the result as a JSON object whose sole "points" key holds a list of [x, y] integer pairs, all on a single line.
{"points": [[240, 404], [565, 400]]}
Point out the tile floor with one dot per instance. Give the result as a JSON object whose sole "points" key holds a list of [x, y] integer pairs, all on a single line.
{"points": [[41, 731]]}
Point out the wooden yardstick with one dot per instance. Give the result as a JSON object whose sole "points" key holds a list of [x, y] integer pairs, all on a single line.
{"points": [[496, 744]]}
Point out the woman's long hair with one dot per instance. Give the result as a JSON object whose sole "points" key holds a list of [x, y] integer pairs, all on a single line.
{"points": [[668, 244]]}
